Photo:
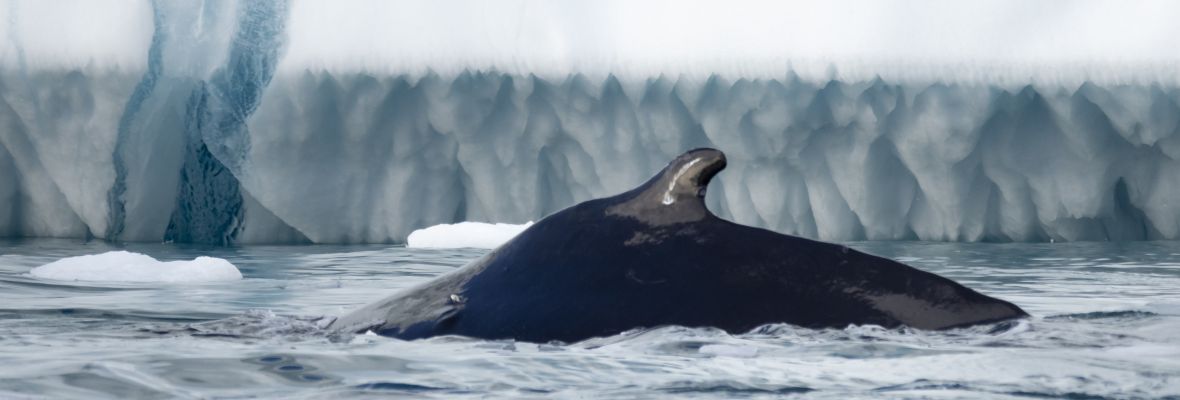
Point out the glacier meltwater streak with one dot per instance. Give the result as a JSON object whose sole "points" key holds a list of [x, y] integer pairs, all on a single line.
{"points": [[210, 124]]}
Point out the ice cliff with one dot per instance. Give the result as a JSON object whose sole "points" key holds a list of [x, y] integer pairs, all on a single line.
{"points": [[223, 122]]}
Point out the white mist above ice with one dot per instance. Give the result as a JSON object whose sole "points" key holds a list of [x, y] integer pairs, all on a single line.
{"points": [[479, 235], [1093, 40], [124, 266], [847, 40]]}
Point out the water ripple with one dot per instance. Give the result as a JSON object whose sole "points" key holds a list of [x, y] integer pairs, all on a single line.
{"points": [[1103, 326]]}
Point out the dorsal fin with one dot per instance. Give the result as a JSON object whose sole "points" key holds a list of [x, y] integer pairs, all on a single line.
{"points": [[675, 194]]}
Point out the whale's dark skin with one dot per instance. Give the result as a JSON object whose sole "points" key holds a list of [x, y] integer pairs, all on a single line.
{"points": [[656, 256]]}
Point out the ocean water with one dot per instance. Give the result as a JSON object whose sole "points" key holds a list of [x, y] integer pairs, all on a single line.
{"points": [[1106, 324]]}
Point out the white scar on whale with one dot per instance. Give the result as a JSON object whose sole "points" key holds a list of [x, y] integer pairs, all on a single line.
{"points": [[668, 200]]}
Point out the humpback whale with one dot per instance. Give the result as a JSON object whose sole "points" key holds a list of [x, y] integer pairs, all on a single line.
{"points": [[655, 256]]}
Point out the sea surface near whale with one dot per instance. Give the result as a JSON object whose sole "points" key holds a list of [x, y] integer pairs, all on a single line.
{"points": [[1106, 317]]}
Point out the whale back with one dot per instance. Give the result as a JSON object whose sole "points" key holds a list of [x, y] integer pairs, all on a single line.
{"points": [[656, 256]]}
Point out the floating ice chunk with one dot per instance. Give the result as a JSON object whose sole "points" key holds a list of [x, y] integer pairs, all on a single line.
{"points": [[124, 266], [480, 235]]}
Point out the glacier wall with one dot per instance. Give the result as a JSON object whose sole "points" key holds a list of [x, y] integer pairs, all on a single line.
{"points": [[234, 122], [833, 160]]}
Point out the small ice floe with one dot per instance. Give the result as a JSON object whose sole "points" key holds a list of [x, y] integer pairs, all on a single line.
{"points": [[727, 350], [124, 266], [478, 235]]}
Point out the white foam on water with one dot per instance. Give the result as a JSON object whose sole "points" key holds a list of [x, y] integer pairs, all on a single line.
{"points": [[125, 266], [478, 235], [725, 350]]}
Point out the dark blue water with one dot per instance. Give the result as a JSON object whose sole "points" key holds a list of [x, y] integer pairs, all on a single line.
{"points": [[1106, 325]]}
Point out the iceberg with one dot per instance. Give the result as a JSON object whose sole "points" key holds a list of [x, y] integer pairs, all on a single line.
{"points": [[124, 266], [362, 121]]}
